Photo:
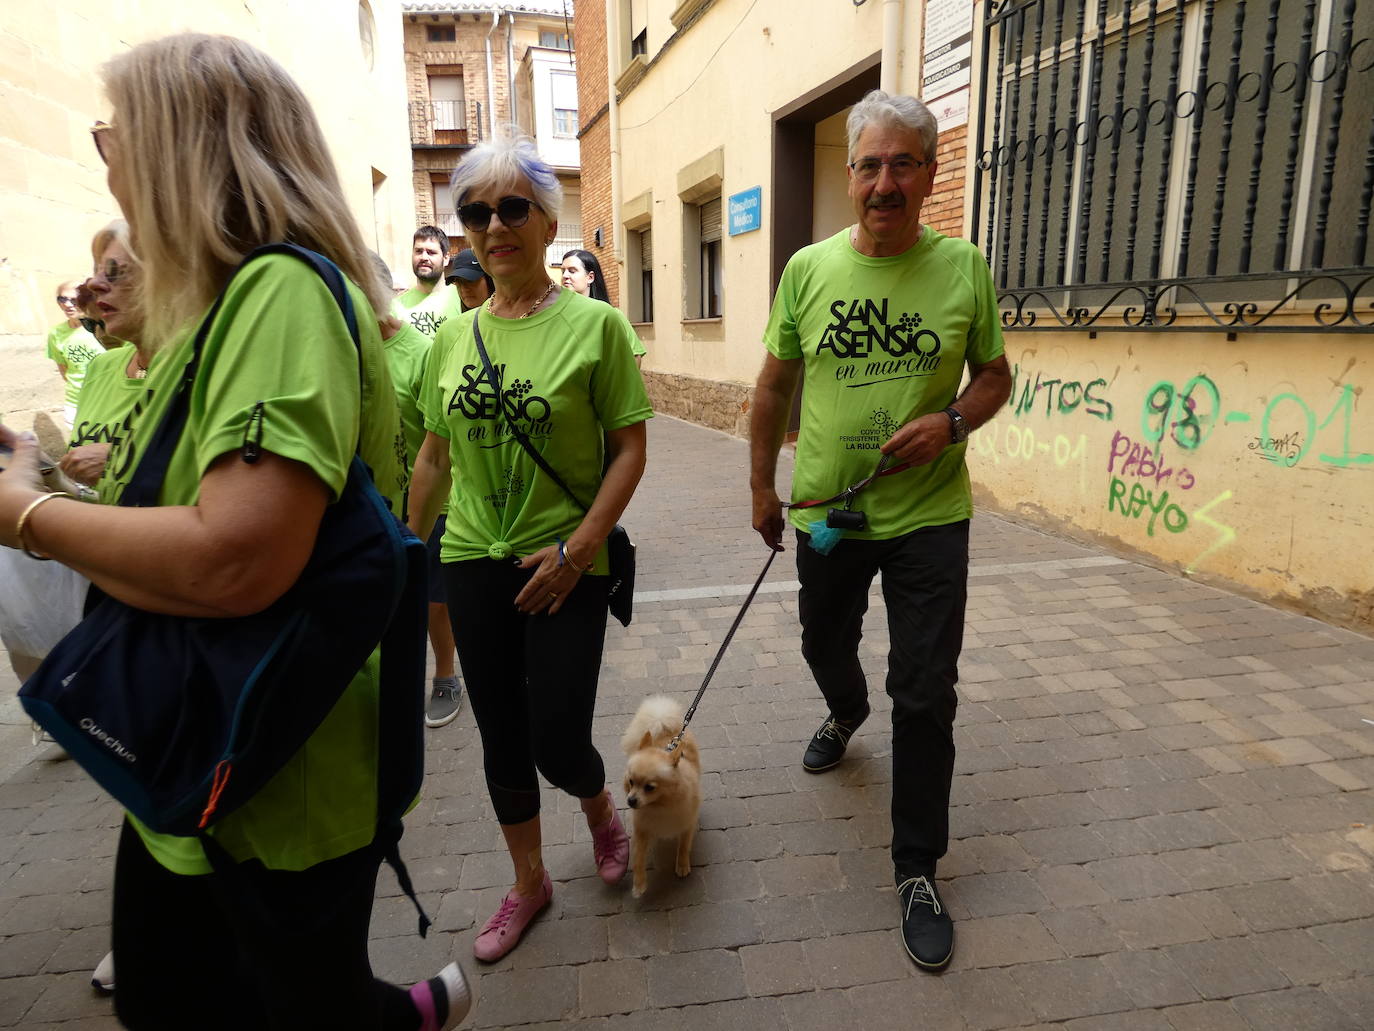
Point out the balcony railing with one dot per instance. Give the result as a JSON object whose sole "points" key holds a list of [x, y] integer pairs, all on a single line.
{"points": [[442, 123], [448, 222]]}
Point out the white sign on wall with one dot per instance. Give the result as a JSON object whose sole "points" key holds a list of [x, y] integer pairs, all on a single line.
{"points": [[947, 60]]}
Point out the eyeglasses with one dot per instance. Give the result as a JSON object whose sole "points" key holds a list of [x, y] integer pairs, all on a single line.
{"points": [[903, 168], [64, 299], [96, 130], [513, 211], [112, 271]]}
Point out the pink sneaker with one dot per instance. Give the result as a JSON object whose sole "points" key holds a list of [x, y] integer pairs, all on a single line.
{"points": [[611, 847], [502, 932]]}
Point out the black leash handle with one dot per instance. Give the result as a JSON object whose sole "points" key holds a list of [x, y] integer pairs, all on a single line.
{"points": [[691, 710]]}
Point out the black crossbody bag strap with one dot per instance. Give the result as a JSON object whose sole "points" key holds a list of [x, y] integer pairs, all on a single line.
{"points": [[515, 430]]}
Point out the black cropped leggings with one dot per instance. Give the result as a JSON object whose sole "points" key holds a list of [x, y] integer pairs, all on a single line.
{"points": [[532, 682]]}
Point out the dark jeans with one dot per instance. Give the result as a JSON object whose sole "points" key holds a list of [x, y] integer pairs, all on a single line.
{"points": [[189, 953], [925, 587], [532, 682]]}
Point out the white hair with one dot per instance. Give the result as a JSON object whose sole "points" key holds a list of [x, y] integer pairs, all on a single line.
{"points": [[892, 111], [509, 155]]}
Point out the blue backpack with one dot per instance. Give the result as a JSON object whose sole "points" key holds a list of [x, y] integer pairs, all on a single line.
{"points": [[184, 719]]}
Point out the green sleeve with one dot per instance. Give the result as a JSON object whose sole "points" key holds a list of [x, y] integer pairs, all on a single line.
{"points": [[431, 397], [780, 336], [617, 387], [985, 331], [55, 345], [280, 347]]}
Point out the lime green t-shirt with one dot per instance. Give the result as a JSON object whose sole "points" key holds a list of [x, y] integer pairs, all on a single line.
{"points": [[427, 312], [109, 399], [569, 376], [279, 360], [883, 340], [407, 353], [75, 348]]}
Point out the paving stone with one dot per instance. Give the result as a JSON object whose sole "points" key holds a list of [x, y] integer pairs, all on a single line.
{"points": [[983, 895], [1151, 978], [845, 960], [1225, 968], [696, 977], [777, 968], [986, 999], [1081, 932], [1206, 1016], [1151, 923], [1004, 941], [1298, 1009], [505, 1000], [1355, 998], [618, 986], [895, 1005], [726, 925], [1068, 988]]}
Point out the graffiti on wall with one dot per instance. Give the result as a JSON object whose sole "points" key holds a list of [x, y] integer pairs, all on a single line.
{"points": [[1153, 480]]}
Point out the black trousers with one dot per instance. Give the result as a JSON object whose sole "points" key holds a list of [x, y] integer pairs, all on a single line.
{"points": [[189, 953], [925, 587], [532, 682]]}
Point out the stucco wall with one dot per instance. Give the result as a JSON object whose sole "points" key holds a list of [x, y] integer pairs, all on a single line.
{"points": [[717, 86], [1249, 462], [52, 184]]}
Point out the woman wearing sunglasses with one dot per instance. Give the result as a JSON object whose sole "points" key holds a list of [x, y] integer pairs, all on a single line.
{"points": [[524, 563], [71, 347], [212, 151]]}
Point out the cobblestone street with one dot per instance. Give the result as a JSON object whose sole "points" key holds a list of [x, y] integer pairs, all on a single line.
{"points": [[1162, 814]]}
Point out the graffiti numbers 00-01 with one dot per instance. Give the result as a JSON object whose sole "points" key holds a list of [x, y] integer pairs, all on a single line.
{"points": [[1018, 442], [1187, 416]]}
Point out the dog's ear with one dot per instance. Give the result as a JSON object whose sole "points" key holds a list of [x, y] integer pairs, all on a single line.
{"points": [[646, 740]]}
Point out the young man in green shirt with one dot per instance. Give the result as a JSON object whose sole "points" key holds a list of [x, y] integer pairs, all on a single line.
{"points": [[430, 302], [884, 317]]}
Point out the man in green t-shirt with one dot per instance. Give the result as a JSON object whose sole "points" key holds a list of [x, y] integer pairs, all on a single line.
{"points": [[884, 316], [430, 302]]}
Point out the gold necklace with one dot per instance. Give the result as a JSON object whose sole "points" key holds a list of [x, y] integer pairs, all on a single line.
{"points": [[140, 369], [542, 298]]}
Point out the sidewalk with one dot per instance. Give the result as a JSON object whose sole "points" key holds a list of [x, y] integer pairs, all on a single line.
{"points": [[1163, 817]]}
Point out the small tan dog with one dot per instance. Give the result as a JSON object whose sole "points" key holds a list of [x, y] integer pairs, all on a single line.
{"points": [[663, 788]]}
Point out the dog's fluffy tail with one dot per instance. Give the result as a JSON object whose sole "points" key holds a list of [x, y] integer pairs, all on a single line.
{"points": [[658, 716]]}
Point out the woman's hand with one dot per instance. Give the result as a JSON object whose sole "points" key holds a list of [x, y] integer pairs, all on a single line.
{"points": [[85, 463], [20, 482], [551, 583]]}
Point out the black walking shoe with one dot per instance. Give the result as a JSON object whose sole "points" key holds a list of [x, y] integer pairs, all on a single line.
{"points": [[828, 744], [927, 930]]}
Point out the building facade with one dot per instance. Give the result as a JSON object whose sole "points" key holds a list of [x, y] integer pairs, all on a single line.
{"points": [[472, 67], [1175, 202], [53, 195]]}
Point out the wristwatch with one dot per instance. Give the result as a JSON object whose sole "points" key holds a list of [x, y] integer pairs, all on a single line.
{"points": [[958, 426]]}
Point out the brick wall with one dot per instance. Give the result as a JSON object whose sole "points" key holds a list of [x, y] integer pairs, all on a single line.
{"points": [[589, 36], [944, 211]]}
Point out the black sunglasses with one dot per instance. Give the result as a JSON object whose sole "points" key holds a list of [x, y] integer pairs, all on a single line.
{"points": [[64, 299], [513, 211]]}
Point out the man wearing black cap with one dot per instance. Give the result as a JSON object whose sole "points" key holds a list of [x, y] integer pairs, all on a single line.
{"points": [[474, 285], [430, 302]]}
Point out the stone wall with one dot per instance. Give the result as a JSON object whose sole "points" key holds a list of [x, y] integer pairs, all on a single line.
{"points": [[721, 406]]}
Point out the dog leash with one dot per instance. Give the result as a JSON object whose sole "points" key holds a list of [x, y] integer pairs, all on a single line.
{"points": [[691, 711], [848, 495]]}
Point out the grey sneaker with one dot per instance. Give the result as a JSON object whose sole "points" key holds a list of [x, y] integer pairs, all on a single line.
{"points": [[445, 702]]}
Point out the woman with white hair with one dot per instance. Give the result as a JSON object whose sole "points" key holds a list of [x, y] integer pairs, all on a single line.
{"points": [[524, 563], [213, 152]]}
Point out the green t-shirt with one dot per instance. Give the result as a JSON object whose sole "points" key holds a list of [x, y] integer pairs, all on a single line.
{"points": [[883, 340], [428, 311], [279, 358], [407, 353], [75, 348], [109, 401], [569, 375]]}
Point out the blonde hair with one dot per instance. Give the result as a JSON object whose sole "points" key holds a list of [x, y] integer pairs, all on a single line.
{"points": [[220, 153], [116, 232]]}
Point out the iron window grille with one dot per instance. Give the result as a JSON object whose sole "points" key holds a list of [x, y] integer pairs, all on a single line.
{"points": [[1177, 164]]}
